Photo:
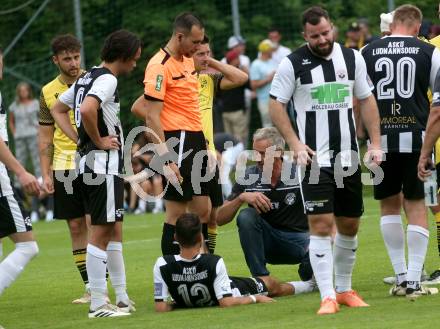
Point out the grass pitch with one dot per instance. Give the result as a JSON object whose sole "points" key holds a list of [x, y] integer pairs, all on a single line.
{"points": [[41, 297]]}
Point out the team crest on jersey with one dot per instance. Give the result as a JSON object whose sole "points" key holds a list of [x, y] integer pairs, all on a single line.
{"points": [[290, 199], [341, 74], [119, 213], [159, 80]]}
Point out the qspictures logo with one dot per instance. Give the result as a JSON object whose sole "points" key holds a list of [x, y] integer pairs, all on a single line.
{"points": [[330, 96]]}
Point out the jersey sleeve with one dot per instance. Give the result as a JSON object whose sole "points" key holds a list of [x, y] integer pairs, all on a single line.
{"points": [[44, 116], [283, 83], [362, 83], [435, 66], [222, 283], [237, 189], [216, 79], [103, 88], [161, 293], [68, 97], [155, 82]]}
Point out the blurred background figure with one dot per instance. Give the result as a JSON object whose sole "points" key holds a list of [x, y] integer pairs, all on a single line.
{"points": [[237, 43], [23, 123], [235, 121], [367, 37], [353, 37], [279, 51], [261, 76]]}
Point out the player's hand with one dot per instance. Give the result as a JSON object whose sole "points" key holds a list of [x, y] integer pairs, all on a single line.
{"points": [[172, 173], [47, 185], [303, 154], [374, 156], [108, 143], [29, 183], [264, 299], [424, 167], [258, 200], [212, 161]]}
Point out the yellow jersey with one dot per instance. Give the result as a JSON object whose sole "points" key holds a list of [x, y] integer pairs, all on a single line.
{"points": [[209, 84], [64, 147]]}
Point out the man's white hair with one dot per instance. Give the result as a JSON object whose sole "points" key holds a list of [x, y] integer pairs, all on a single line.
{"points": [[271, 134]]}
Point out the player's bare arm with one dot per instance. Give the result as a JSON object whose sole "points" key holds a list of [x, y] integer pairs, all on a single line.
{"points": [[60, 113], [45, 146], [89, 116], [255, 84], [28, 181], [163, 307], [245, 300], [232, 76], [370, 118], [278, 113], [431, 134]]}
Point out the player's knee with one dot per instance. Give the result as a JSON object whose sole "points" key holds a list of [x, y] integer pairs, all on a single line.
{"points": [[246, 218], [28, 248], [321, 228], [77, 228]]}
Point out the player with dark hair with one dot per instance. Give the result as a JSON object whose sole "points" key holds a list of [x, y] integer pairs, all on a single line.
{"points": [[95, 100], [402, 69], [57, 153], [170, 106], [322, 78], [192, 279]]}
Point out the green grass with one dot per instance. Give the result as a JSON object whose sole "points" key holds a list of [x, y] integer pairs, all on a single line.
{"points": [[41, 297]]}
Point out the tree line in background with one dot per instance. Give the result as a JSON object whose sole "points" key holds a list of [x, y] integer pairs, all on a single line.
{"points": [[152, 20]]}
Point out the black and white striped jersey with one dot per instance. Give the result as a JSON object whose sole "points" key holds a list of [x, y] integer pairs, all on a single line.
{"points": [[321, 91], [197, 282], [402, 69], [101, 84], [5, 182]]}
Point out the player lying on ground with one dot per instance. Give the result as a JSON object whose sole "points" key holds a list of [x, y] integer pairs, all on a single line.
{"points": [[191, 279]]}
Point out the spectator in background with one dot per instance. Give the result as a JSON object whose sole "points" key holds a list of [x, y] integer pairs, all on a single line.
{"points": [[280, 51], [238, 44], [365, 31], [261, 75], [233, 104], [353, 37], [434, 31], [23, 123]]}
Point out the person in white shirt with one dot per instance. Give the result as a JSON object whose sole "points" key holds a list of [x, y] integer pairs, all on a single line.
{"points": [[279, 51]]}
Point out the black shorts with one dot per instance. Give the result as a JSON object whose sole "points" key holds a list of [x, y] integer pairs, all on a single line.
{"points": [[400, 174], [322, 195], [68, 196], [192, 165], [13, 217], [104, 198], [215, 190], [248, 286]]}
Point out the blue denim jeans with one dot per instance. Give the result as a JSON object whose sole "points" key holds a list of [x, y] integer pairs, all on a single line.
{"points": [[262, 244]]}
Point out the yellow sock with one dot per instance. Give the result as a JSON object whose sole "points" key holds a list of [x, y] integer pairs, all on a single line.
{"points": [[79, 256], [212, 236]]}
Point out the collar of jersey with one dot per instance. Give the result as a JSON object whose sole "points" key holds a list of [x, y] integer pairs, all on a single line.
{"points": [[178, 257]]}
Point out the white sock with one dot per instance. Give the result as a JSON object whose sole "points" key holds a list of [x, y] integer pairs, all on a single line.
{"points": [[321, 259], [142, 204], [116, 271], [158, 203], [96, 263], [344, 257], [14, 264], [394, 238], [417, 238], [302, 287]]}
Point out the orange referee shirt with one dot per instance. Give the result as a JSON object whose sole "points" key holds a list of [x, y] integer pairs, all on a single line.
{"points": [[175, 83]]}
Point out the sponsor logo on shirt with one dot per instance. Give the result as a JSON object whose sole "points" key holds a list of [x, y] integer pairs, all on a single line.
{"points": [[330, 96]]}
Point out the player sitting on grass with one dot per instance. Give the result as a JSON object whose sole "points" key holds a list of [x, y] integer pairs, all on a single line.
{"points": [[191, 279]]}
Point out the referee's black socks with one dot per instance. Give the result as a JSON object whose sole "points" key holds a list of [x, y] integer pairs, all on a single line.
{"points": [[167, 243]]}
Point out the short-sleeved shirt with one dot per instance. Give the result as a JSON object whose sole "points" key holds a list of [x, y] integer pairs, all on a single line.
{"points": [[197, 282], [25, 118], [64, 147], [260, 70], [5, 182], [209, 84], [175, 84], [322, 91], [101, 84], [287, 211]]}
